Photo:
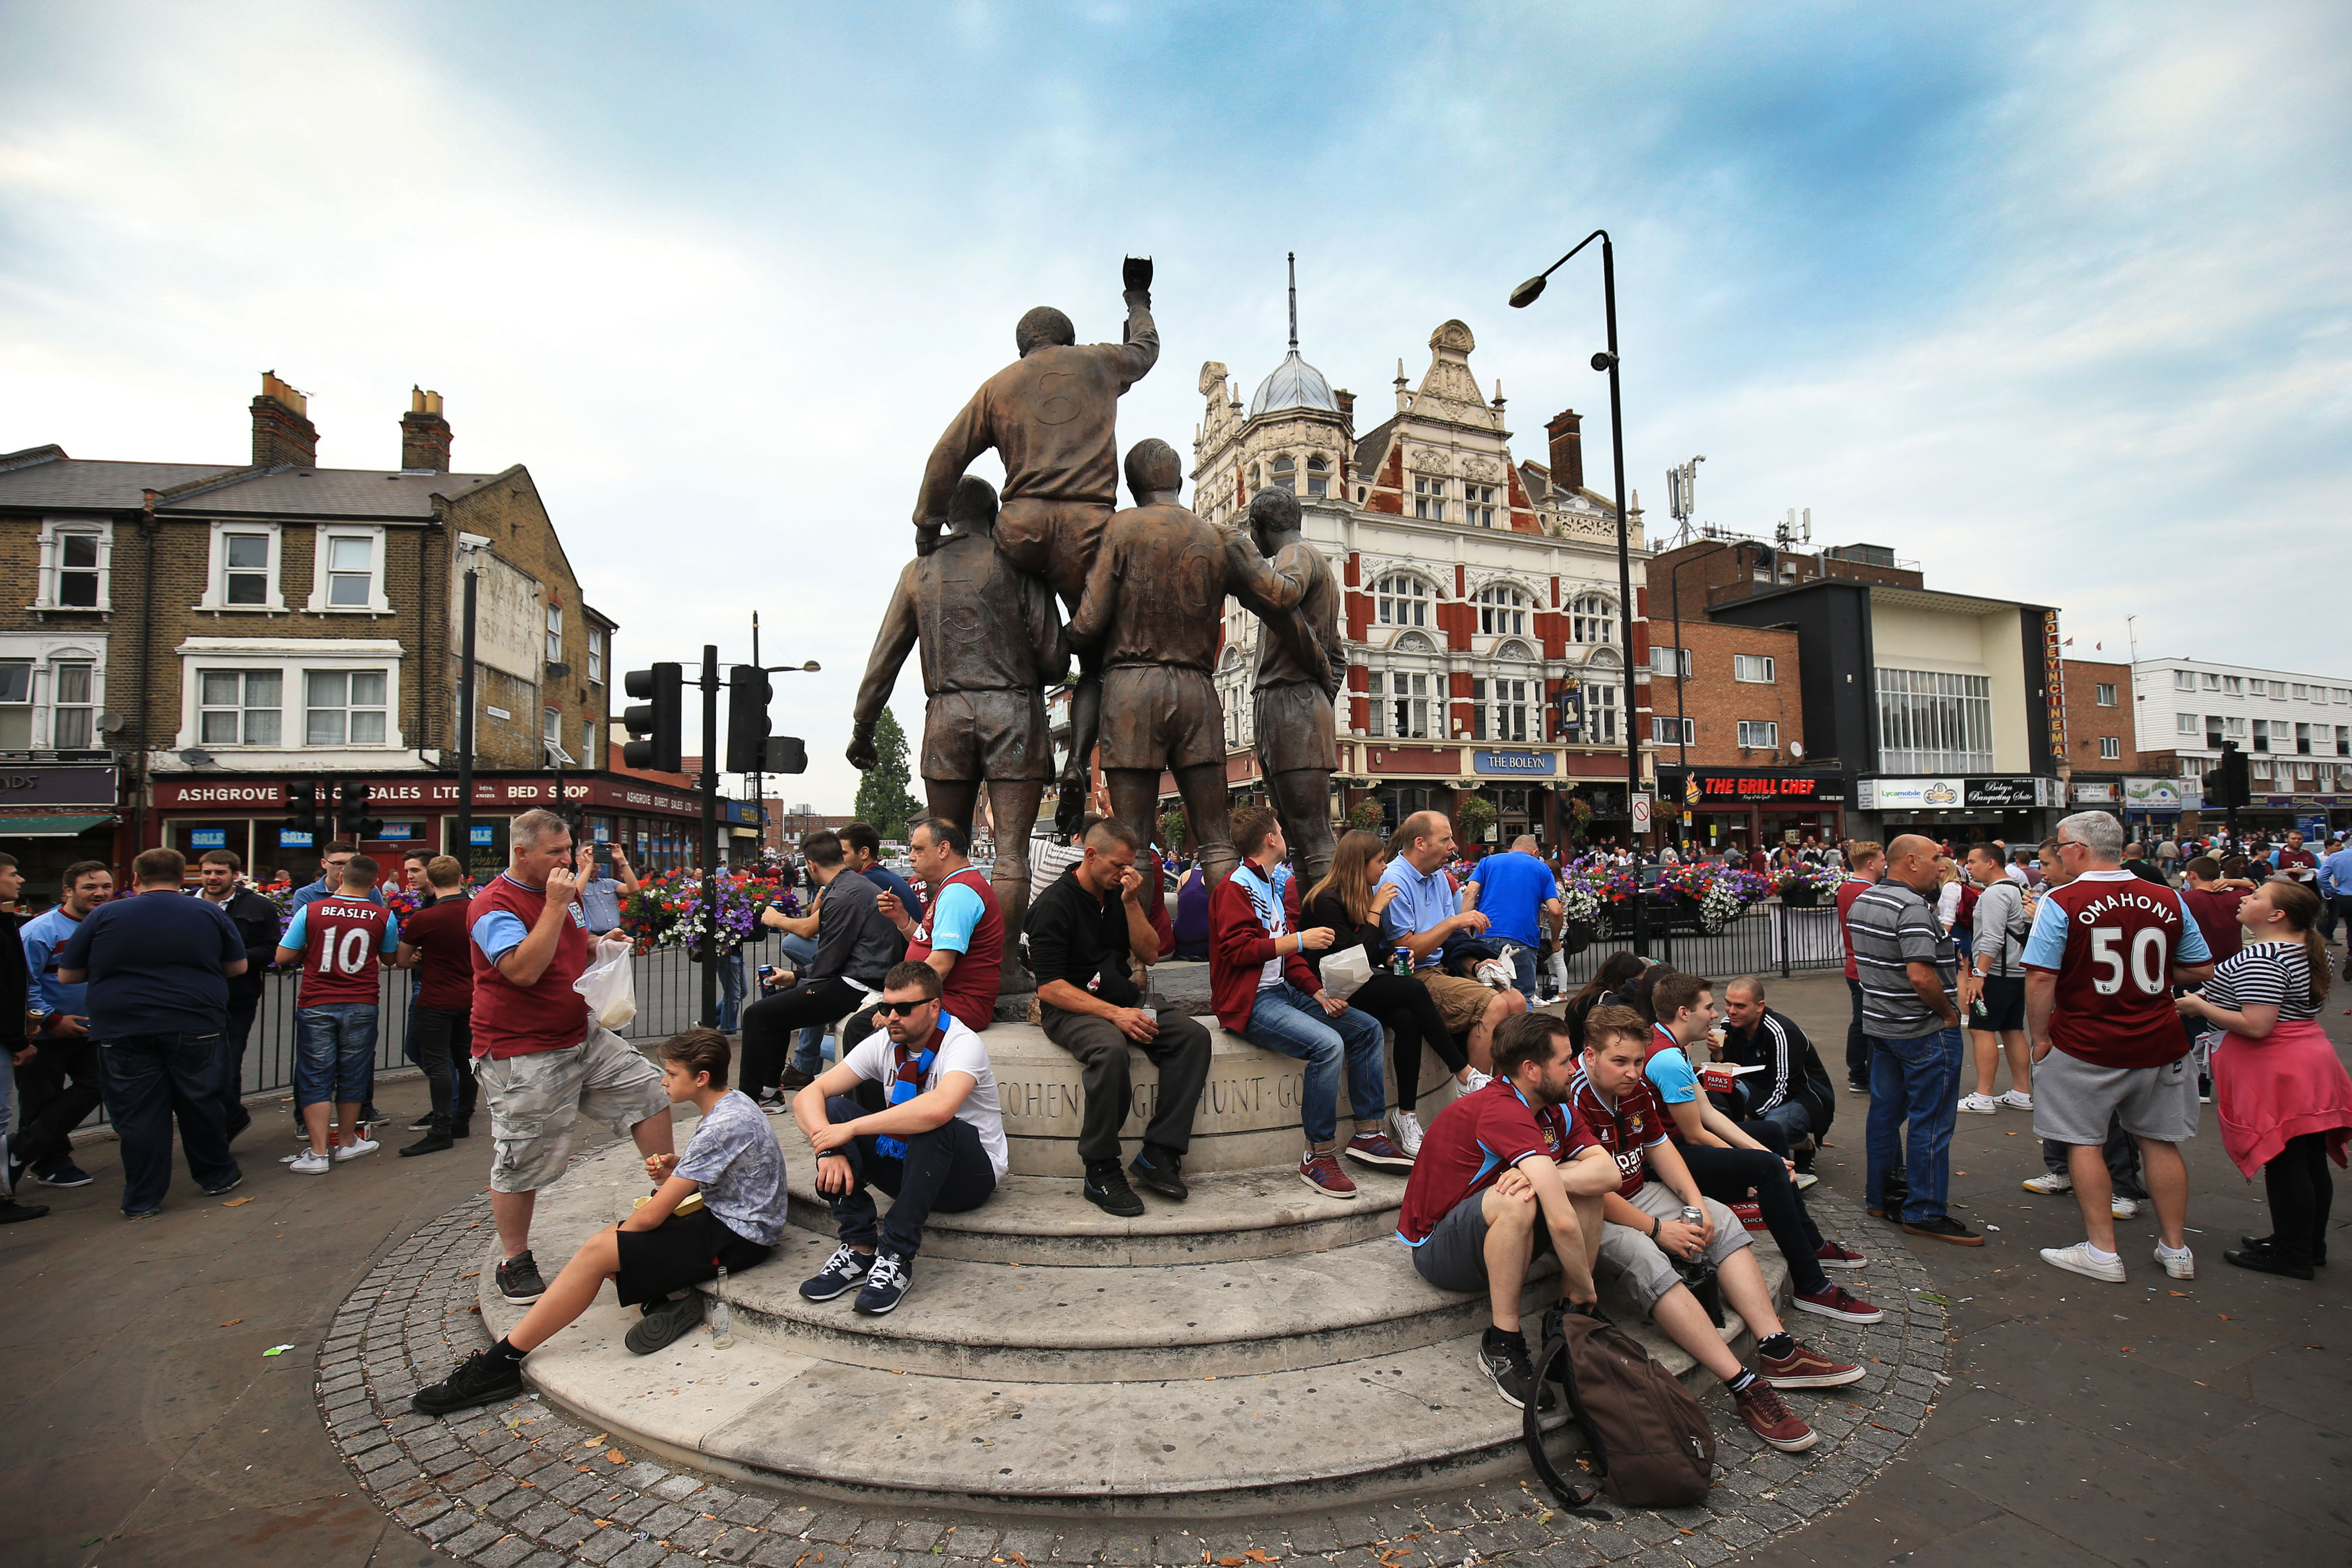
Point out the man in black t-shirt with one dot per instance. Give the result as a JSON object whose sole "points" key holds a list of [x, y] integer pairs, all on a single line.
{"points": [[1079, 933]]}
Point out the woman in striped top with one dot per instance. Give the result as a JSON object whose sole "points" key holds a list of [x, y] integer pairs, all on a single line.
{"points": [[2281, 1095]]}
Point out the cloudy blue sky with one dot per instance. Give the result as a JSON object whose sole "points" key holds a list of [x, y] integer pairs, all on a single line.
{"points": [[2051, 298]]}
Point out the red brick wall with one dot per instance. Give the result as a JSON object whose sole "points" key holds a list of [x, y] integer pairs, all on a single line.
{"points": [[2087, 723], [1718, 703]]}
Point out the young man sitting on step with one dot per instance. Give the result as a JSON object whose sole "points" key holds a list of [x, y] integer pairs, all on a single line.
{"points": [[722, 1203], [937, 1145]]}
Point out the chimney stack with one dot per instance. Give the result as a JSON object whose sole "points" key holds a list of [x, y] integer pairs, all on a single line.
{"points": [[424, 434], [1567, 433], [282, 431], [1347, 402]]}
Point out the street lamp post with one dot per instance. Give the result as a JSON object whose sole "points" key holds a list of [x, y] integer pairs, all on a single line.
{"points": [[1522, 297]]}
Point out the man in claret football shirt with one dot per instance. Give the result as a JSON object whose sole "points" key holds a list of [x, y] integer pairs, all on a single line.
{"points": [[2106, 949]]}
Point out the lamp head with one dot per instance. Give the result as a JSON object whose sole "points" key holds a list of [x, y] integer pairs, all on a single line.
{"points": [[1604, 361], [1527, 293]]}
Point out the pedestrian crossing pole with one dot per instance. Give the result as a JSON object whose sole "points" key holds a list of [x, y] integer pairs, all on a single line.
{"points": [[710, 785]]}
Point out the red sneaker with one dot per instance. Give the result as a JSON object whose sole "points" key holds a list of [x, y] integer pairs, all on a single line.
{"points": [[1322, 1173], [1771, 1420], [1830, 1255], [1834, 1301], [1805, 1367]]}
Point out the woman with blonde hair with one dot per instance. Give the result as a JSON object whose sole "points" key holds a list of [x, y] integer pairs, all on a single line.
{"points": [[2281, 1093], [1349, 900]]}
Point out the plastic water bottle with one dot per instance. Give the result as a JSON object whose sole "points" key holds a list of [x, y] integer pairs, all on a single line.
{"points": [[722, 1327]]}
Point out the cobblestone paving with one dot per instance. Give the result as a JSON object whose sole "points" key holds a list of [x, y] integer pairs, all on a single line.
{"points": [[518, 1486]]}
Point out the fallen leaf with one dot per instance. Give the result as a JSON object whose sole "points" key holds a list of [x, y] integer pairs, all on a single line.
{"points": [[602, 1523], [593, 1441], [232, 1323], [1256, 1555], [617, 1457], [1229, 1563], [2177, 1293], [233, 1202]]}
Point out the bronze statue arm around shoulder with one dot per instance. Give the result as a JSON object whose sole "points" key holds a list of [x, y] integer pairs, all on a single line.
{"points": [[966, 437], [892, 643]]}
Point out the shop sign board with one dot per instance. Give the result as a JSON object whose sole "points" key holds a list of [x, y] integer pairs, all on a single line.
{"points": [[1525, 764]]}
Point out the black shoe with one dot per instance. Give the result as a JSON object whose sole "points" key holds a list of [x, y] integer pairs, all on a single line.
{"points": [[1107, 1189], [435, 1138], [663, 1323], [229, 1186], [2270, 1244], [425, 1125], [462, 1127], [1513, 1375], [844, 1269], [519, 1280], [1943, 1227], [11, 1211], [1070, 810], [483, 1378], [66, 1175], [1161, 1172], [1853, 1088], [2268, 1260]]}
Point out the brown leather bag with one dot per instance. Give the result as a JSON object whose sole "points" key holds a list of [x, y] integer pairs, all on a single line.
{"points": [[1649, 1441]]}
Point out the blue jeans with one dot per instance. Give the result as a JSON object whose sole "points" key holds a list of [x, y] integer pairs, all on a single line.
{"points": [[150, 1079], [334, 1052], [730, 989], [1287, 1019], [808, 1055], [1524, 960], [1792, 1117], [1914, 1103]]}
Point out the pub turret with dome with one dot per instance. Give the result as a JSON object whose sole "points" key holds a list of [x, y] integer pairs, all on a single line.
{"points": [[1481, 609]]}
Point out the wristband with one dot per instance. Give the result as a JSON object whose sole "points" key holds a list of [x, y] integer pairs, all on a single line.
{"points": [[1655, 1226]]}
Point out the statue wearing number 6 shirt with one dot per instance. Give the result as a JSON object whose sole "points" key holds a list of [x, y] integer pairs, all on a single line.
{"points": [[1051, 416]]}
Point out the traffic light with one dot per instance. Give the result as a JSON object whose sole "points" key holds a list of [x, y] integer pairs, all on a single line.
{"points": [[2232, 784], [351, 813], [748, 691], [302, 806], [784, 754], [658, 720], [571, 814]]}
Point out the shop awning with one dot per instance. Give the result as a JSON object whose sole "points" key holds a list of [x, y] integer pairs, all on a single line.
{"points": [[48, 827]]}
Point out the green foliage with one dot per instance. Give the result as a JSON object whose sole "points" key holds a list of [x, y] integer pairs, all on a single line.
{"points": [[1171, 829], [1366, 815], [883, 797], [1472, 818]]}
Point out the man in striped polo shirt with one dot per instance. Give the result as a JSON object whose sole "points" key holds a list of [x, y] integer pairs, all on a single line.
{"points": [[1908, 971]]}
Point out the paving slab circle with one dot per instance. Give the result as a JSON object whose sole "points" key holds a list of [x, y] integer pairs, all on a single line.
{"points": [[798, 1448]]}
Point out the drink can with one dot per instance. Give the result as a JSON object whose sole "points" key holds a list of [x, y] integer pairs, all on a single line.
{"points": [[1401, 960]]}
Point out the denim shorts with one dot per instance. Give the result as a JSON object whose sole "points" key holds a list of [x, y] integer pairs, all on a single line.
{"points": [[334, 1049]]}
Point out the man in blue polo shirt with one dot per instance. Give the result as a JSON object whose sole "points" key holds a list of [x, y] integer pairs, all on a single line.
{"points": [[1515, 891], [157, 965], [1424, 913]]}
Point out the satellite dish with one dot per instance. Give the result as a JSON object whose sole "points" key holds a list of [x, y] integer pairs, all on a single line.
{"points": [[196, 757], [1797, 749], [108, 722]]}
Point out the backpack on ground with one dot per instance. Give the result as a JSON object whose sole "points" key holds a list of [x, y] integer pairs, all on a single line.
{"points": [[1650, 1443]]}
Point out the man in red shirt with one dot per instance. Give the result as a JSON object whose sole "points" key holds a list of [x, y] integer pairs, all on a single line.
{"points": [[541, 1062], [1868, 863], [1501, 1177], [2105, 951], [1654, 1215], [434, 943]]}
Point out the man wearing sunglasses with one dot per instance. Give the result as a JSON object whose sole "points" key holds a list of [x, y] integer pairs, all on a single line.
{"points": [[937, 1143]]}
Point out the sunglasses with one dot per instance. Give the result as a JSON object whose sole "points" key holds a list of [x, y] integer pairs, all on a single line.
{"points": [[899, 1009]]}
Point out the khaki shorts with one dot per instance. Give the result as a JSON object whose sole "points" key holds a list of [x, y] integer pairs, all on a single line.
{"points": [[536, 1102], [1461, 1003], [1630, 1255]]}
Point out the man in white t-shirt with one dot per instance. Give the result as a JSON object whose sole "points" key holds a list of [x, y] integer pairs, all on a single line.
{"points": [[938, 1142]]}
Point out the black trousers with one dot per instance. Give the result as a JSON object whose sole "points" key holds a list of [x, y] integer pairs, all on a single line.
{"points": [[2302, 1191], [770, 1023], [1857, 1044], [1725, 1174], [943, 1171], [56, 1091], [1404, 1005], [444, 1051], [241, 1013], [1181, 1050]]}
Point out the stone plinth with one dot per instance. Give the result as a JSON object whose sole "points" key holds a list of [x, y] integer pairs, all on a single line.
{"points": [[1248, 1118]]}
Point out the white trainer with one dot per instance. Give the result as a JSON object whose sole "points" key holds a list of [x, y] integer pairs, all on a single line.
{"points": [[1980, 1105], [354, 1151], [310, 1162], [2077, 1259], [2122, 1208], [1405, 1128], [2050, 1184], [2180, 1265], [2018, 1100], [1476, 1080]]}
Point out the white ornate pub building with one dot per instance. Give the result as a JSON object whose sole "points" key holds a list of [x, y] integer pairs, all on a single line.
{"points": [[1481, 592]]}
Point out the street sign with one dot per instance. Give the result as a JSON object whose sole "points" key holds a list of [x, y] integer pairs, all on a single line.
{"points": [[1641, 811]]}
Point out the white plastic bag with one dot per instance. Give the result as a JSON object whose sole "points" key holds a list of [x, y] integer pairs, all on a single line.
{"points": [[1343, 970], [611, 987]]}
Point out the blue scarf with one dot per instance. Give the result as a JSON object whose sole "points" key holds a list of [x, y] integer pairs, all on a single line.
{"points": [[906, 1082]]}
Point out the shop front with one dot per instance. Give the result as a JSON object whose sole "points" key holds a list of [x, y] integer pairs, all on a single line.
{"points": [[53, 814], [249, 816], [1755, 808], [2012, 808]]}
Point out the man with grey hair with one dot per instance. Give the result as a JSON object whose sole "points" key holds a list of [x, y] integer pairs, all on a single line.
{"points": [[540, 1061], [2105, 951], [1910, 1015]]}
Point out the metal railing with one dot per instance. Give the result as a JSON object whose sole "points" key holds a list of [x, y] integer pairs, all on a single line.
{"points": [[1765, 938]]}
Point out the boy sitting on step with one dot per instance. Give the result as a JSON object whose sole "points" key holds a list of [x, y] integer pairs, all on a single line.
{"points": [[719, 1203]]}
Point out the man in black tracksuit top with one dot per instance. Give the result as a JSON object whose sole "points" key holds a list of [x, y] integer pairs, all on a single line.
{"points": [[1793, 1092]]}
